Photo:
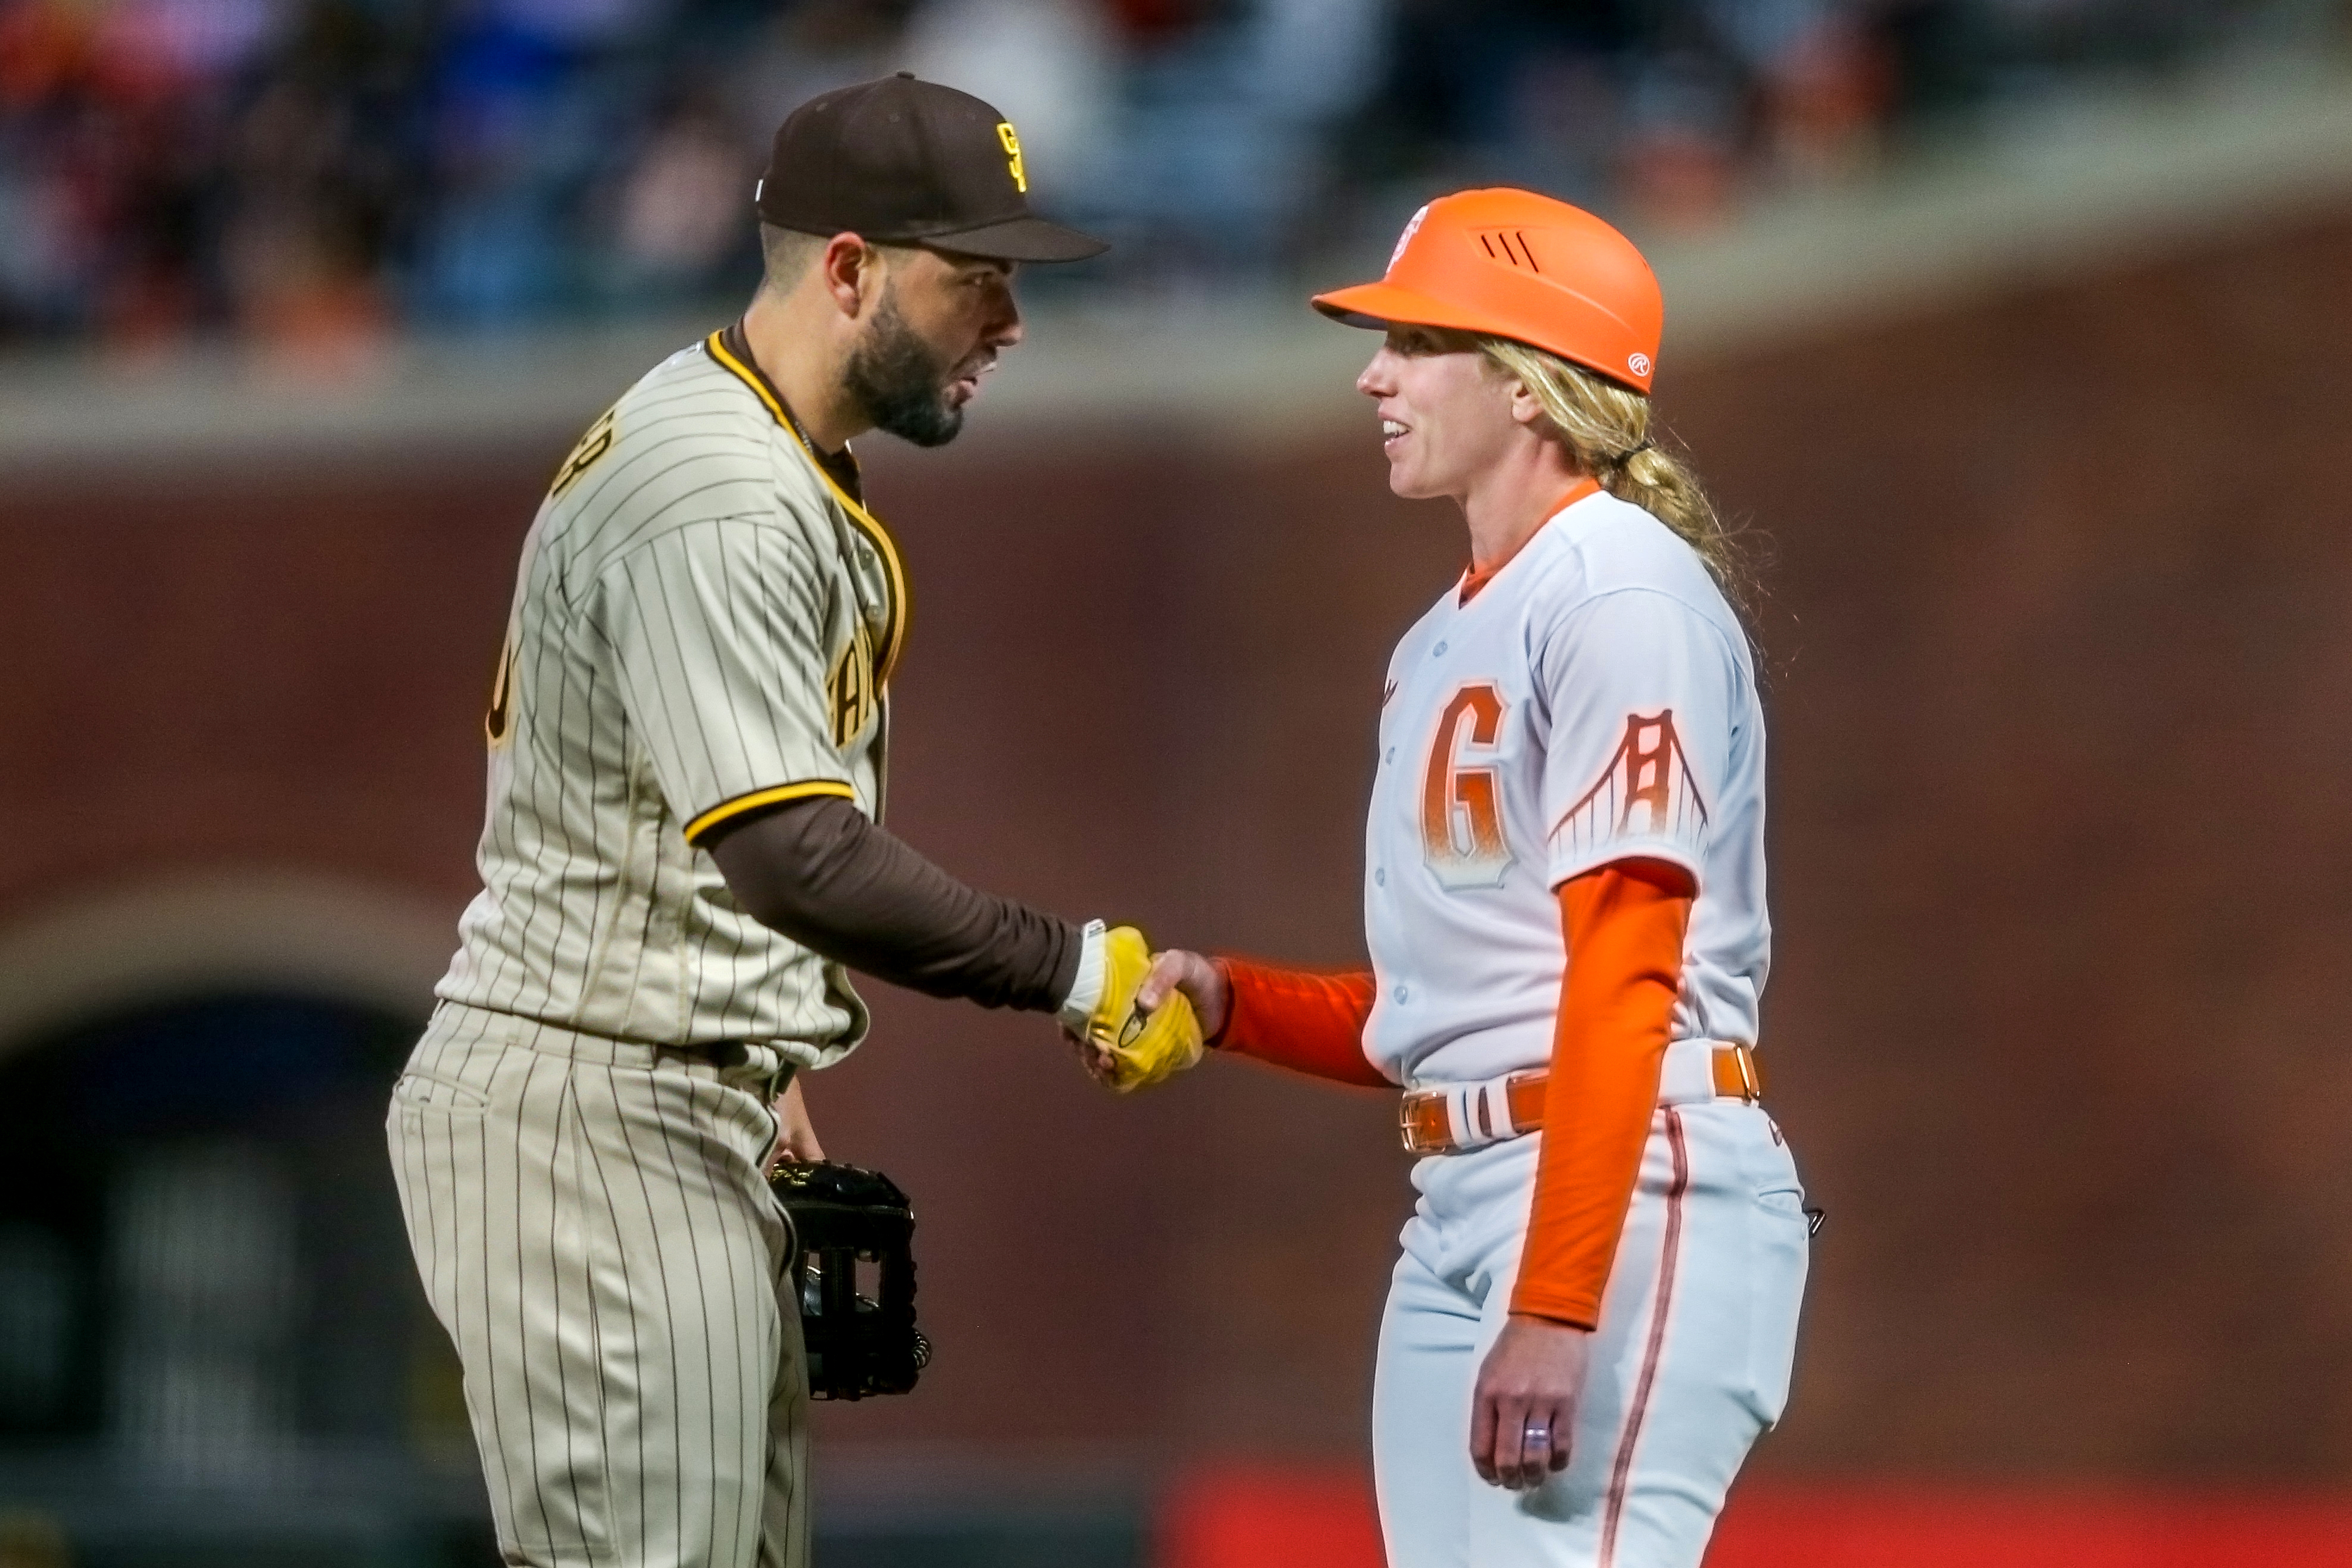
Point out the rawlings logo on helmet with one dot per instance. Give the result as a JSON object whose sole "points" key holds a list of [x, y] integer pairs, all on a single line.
{"points": [[1639, 364]]}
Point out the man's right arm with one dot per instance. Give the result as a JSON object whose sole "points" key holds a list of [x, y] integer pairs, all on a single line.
{"points": [[714, 631], [821, 873]]}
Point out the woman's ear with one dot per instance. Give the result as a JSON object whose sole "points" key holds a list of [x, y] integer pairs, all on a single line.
{"points": [[1526, 406]]}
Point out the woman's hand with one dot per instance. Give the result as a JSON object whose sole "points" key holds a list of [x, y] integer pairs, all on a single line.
{"points": [[1200, 981], [1524, 1409], [1203, 983], [796, 1141]]}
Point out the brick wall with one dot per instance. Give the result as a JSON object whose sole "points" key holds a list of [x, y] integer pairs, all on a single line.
{"points": [[2063, 867]]}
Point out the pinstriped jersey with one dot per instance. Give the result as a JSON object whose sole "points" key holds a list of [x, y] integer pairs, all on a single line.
{"points": [[1594, 701], [703, 624]]}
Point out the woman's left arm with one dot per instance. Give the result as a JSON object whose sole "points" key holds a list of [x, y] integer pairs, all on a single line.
{"points": [[1639, 690], [1624, 924]]}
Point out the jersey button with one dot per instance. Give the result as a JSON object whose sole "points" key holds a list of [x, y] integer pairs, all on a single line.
{"points": [[1391, 757], [1381, 878], [1440, 650], [1404, 992]]}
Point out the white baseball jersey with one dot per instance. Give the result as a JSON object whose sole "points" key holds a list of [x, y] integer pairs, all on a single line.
{"points": [[703, 625], [1594, 701]]}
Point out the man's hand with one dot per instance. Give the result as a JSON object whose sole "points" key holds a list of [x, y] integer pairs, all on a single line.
{"points": [[1524, 1409], [1125, 1044], [796, 1141]]}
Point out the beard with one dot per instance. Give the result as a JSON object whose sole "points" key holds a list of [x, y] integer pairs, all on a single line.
{"points": [[900, 382]]}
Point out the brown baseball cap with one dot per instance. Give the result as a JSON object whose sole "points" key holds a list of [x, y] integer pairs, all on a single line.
{"points": [[904, 160]]}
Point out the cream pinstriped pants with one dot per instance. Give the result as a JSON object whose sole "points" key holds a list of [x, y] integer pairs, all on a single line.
{"points": [[594, 1229]]}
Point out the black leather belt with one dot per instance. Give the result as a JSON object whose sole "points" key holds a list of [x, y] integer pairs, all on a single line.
{"points": [[718, 1053]]}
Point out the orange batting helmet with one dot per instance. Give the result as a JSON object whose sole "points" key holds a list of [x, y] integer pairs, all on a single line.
{"points": [[1512, 263]]}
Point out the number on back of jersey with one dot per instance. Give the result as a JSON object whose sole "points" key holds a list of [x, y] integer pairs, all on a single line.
{"points": [[594, 443], [499, 722]]}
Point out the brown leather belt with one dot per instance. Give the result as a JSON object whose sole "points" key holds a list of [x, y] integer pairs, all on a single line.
{"points": [[1456, 1116]]}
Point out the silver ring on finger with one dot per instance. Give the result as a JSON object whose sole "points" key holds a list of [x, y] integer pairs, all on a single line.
{"points": [[1533, 1435]]}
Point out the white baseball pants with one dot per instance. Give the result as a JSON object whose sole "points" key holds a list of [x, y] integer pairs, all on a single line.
{"points": [[1689, 1365], [595, 1231]]}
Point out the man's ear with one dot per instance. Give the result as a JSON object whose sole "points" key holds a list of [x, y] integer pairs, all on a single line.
{"points": [[852, 273]]}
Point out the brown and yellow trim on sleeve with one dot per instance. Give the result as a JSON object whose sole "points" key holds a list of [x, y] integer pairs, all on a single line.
{"points": [[727, 810], [894, 634]]}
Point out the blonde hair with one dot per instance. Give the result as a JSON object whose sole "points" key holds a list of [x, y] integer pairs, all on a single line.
{"points": [[1606, 429]]}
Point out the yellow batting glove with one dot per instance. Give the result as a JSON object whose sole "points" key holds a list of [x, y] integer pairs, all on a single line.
{"points": [[1144, 1047]]}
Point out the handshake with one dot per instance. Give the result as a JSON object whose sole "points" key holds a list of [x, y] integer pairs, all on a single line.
{"points": [[1147, 1024]]}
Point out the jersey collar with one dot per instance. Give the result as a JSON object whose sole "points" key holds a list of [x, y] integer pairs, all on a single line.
{"points": [[840, 466], [732, 351], [1474, 580]]}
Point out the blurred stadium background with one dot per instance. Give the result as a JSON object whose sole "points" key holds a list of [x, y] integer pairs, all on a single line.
{"points": [[2020, 331]]}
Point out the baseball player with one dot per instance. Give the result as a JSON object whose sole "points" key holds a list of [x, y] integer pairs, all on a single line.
{"points": [[683, 856], [1596, 1308]]}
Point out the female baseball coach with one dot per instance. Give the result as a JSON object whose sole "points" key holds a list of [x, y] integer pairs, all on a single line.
{"points": [[1596, 1308]]}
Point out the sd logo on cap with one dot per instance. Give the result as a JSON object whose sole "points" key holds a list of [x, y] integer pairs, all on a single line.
{"points": [[902, 161]]}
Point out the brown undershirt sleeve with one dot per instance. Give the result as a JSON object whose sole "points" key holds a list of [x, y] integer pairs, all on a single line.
{"points": [[821, 873]]}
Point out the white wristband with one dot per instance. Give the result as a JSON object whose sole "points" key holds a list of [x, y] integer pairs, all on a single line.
{"points": [[1086, 991]]}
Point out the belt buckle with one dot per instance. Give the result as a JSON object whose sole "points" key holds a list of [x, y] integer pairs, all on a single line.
{"points": [[1737, 1074], [1409, 1124]]}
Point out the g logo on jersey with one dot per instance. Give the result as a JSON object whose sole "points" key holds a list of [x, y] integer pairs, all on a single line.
{"points": [[850, 697], [1461, 799]]}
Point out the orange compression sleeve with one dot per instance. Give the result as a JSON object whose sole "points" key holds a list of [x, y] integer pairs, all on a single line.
{"points": [[1624, 925], [1310, 1023]]}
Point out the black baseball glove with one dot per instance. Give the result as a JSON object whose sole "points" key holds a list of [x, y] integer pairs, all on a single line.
{"points": [[843, 1216]]}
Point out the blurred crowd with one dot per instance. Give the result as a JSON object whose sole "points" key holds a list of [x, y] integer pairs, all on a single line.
{"points": [[316, 172]]}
